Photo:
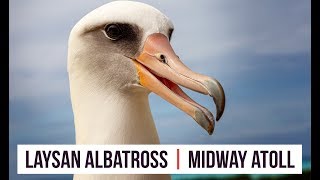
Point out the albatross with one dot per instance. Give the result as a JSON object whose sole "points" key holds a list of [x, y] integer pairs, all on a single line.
{"points": [[118, 54]]}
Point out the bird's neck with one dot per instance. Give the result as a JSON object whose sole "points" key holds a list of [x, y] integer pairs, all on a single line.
{"points": [[106, 118], [112, 118]]}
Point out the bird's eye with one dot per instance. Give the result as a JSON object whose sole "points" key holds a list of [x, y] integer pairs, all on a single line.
{"points": [[113, 32]]}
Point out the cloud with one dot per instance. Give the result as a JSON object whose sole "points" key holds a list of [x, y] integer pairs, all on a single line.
{"points": [[245, 26]]}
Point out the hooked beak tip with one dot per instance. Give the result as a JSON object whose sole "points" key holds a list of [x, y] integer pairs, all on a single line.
{"points": [[216, 91], [206, 122], [210, 130]]}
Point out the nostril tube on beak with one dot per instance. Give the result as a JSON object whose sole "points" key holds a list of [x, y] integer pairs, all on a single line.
{"points": [[161, 57]]}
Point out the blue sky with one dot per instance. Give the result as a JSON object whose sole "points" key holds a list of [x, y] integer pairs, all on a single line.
{"points": [[258, 50]]}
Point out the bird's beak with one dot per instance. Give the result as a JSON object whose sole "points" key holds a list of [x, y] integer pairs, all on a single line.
{"points": [[161, 71]]}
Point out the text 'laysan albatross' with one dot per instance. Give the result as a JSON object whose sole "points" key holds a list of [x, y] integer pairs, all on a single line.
{"points": [[117, 55]]}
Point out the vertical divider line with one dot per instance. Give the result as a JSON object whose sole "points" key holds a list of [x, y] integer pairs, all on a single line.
{"points": [[178, 159]]}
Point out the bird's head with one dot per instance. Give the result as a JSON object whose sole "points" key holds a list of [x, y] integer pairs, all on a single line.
{"points": [[124, 47]]}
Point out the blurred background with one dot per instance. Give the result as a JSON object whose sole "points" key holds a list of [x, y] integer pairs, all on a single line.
{"points": [[259, 51]]}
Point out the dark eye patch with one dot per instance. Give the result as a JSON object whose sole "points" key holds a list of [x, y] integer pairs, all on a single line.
{"points": [[117, 31], [170, 33]]}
